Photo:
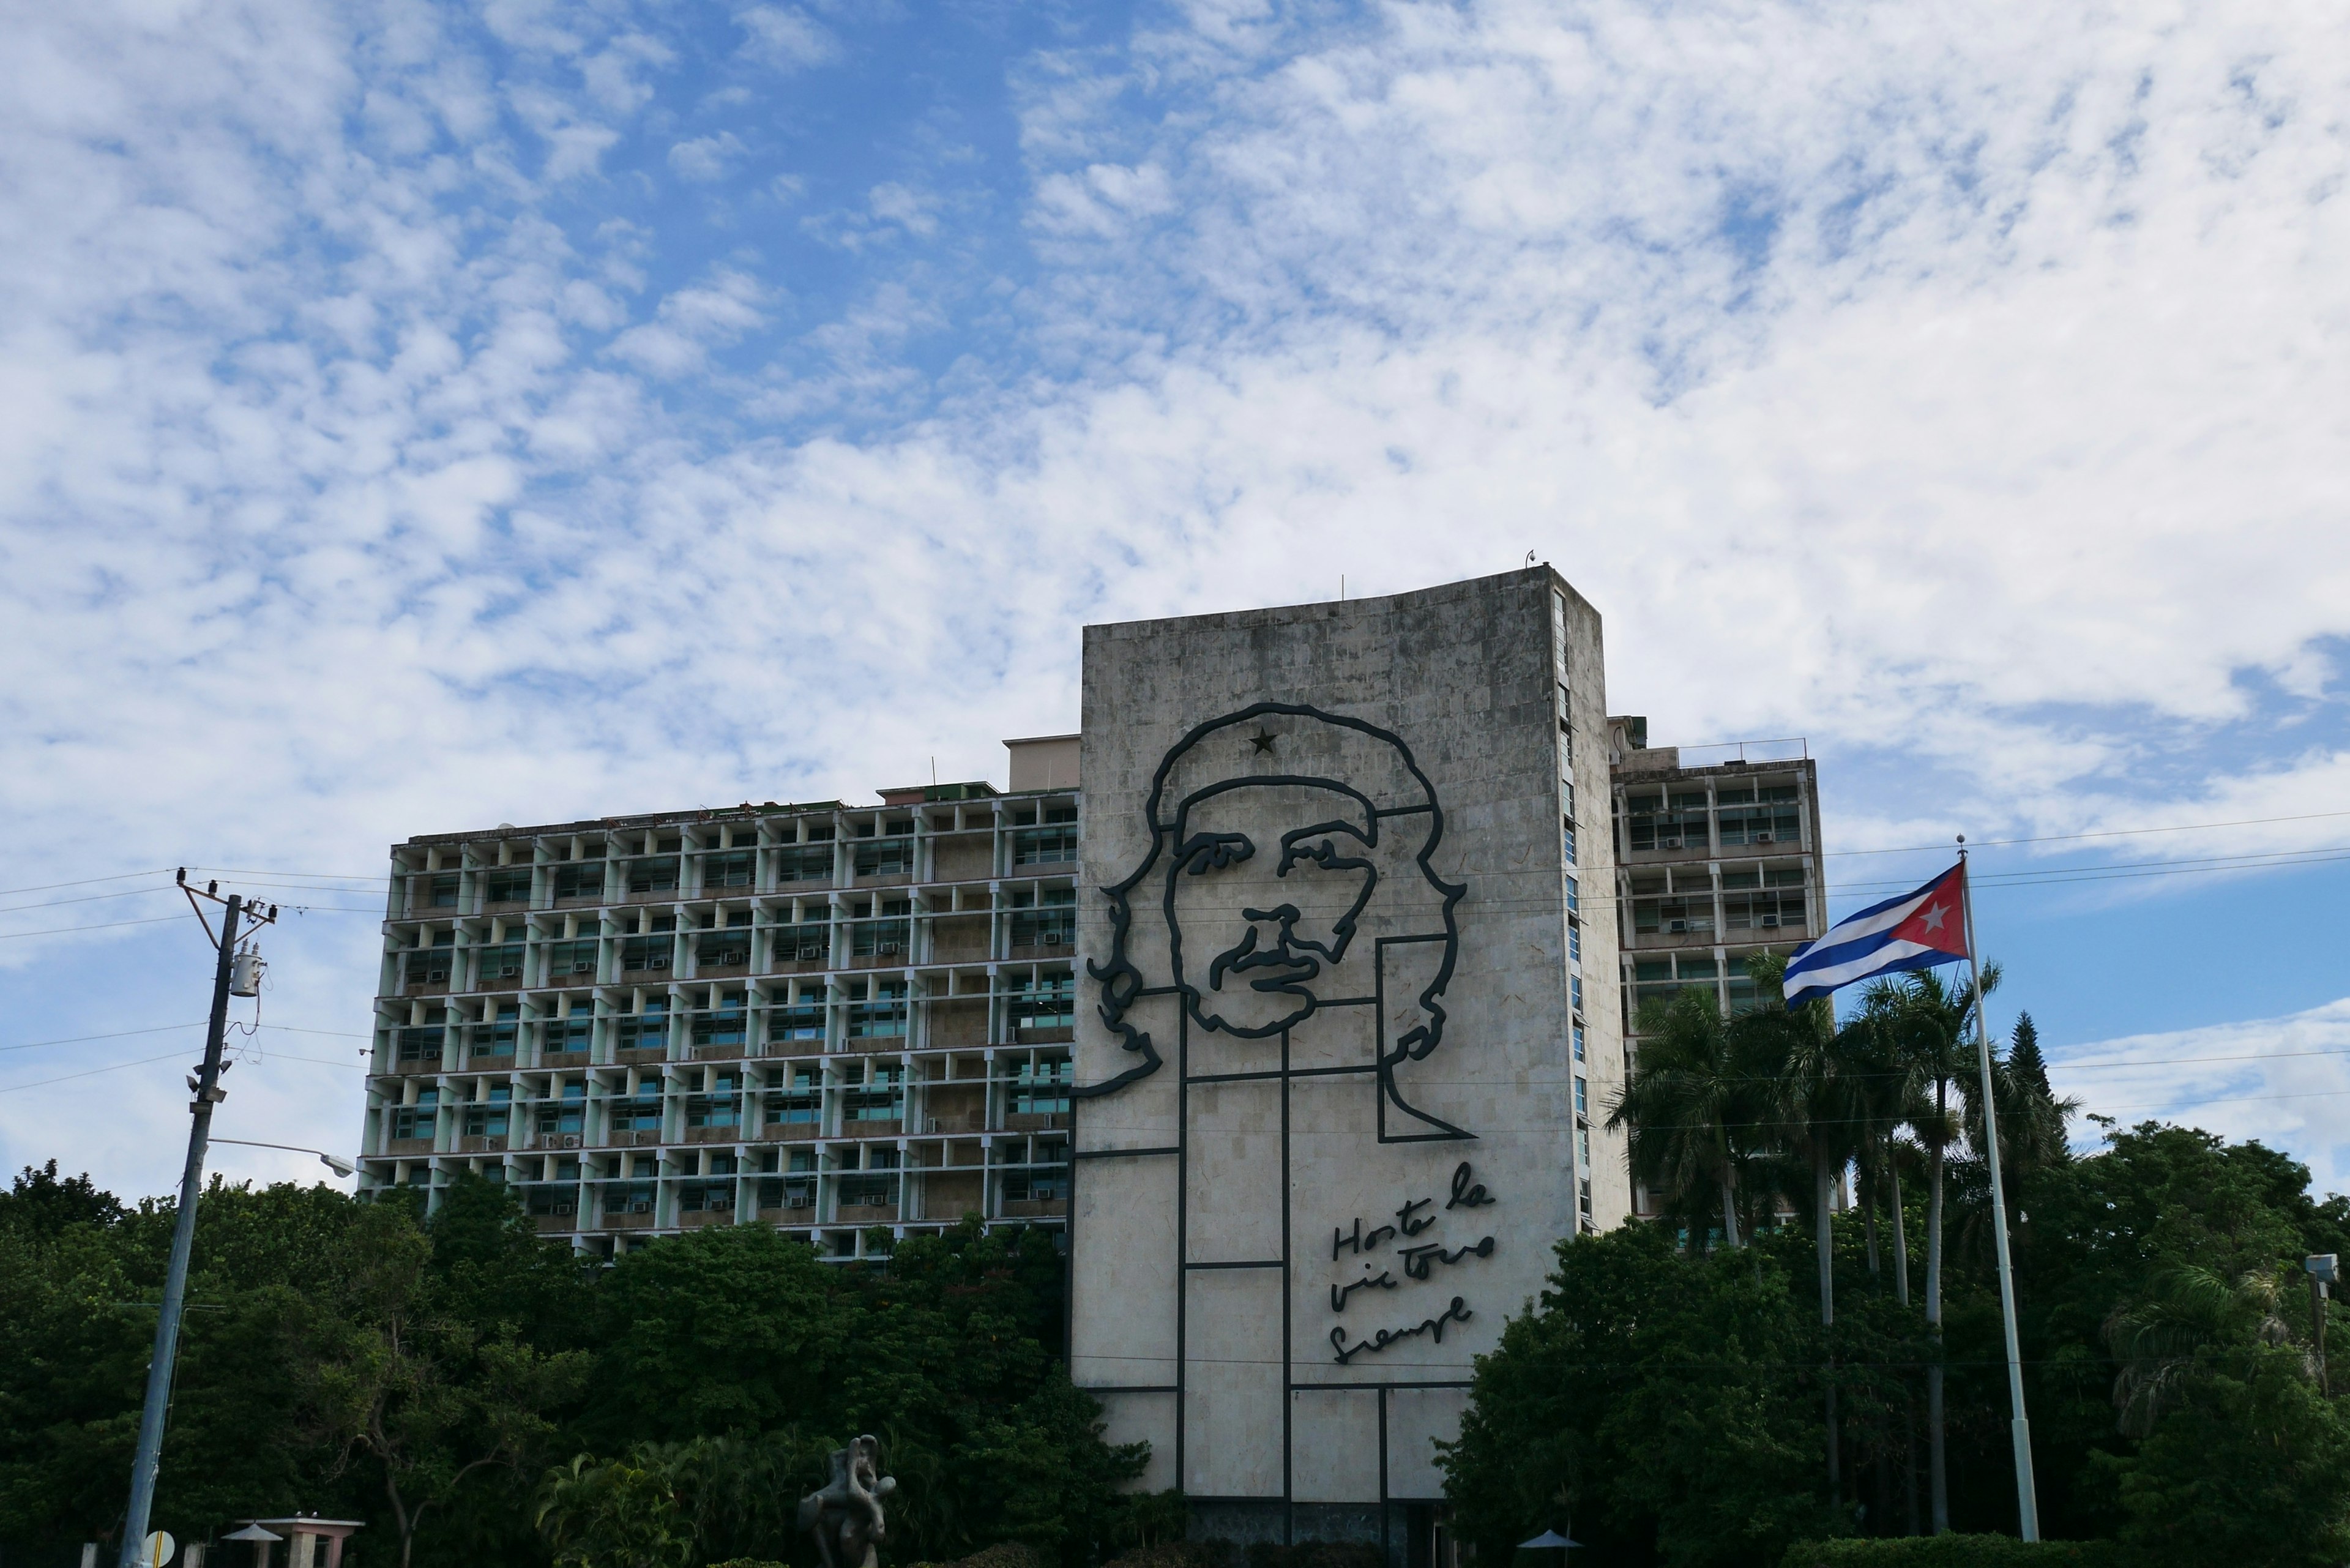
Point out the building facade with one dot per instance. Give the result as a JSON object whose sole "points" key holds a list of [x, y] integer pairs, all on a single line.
{"points": [[1342, 1033], [1297, 1019], [851, 1022], [1716, 858]]}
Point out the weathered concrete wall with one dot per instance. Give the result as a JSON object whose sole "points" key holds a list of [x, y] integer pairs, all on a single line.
{"points": [[1329, 940]]}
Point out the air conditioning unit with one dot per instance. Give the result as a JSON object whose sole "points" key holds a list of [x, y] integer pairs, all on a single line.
{"points": [[887, 947], [1770, 919], [563, 1208], [1678, 928], [569, 1140], [1762, 839], [1668, 843], [934, 1126], [640, 1205]]}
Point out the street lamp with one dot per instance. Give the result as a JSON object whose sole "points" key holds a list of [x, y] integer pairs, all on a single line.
{"points": [[2325, 1270], [334, 1162]]}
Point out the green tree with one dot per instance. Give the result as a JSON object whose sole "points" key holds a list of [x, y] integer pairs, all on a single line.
{"points": [[2244, 1460], [1690, 1107], [1924, 1020], [1653, 1403], [396, 1379]]}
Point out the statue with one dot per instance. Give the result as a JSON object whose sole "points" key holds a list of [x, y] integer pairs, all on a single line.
{"points": [[845, 1515]]}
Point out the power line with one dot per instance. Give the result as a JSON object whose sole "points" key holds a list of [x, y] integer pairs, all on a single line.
{"points": [[88, 898], [84, 882], [2106, 833], [91, 1073], [68, 930]]}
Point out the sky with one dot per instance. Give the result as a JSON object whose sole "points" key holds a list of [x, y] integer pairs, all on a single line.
{"points": [[417, 416]]}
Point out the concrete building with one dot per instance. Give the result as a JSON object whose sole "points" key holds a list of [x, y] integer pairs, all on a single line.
{"points": [[827, 1018], [1341, 1034], [1716, 858], [1297, 1018]]}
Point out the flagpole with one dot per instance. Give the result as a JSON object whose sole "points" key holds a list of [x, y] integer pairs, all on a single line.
{"points": [[2027, 1502]]}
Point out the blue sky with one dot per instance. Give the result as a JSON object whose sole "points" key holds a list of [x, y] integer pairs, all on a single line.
{"points": [[415, 417]]}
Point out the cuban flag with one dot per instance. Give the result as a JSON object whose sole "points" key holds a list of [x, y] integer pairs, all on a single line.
{"points": [[1913, 930]]}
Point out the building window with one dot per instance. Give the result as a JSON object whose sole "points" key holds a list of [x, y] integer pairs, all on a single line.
{"points": [[735, 871], [443, 892], [712, 1111], [868, 1190], [582, 881], [1665, 821], [884, 857], [1573, 897], [1576, 1028], [629, 1198], [1575, 992], [1567, 834], [1044, 920], [572, 958], [805, 1022], [414, 1121], [1050, 1003], [576, 1033], [726, 949], [502, 961], [812, 863], [801, 1104], [647, 1030], [1042, 1088], [429, 966], [556, 1118], [496, 1035], [728, 1024], [878, 1103], [1582, 1095], [489, 1119], [883, 937], [1045, 845], [705, 1197], [807, 943], [641, 1114], [640, 954], [1574, 944], [1044, 1180], [656, 874], [510, 887], [877, 1020], [420, 1046]]}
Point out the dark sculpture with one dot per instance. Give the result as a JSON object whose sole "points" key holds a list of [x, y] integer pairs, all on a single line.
{"points": [[845, 1514]]}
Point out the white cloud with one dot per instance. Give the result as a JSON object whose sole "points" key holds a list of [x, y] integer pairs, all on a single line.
{"points": [[705, 159], [786, 38], [2284, 1081], [891, 202], [1917, 381]]}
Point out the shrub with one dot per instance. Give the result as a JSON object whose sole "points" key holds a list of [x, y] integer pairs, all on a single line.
{"points": [[1952, 1551]]}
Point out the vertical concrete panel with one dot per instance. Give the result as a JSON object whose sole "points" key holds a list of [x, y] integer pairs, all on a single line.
{"points": [[1326, 839], [1418, 1419], [1338, 1445], [1233, 1396]]}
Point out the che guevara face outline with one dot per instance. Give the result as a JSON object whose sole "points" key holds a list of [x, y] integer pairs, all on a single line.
{"points": [[1255, 928]]}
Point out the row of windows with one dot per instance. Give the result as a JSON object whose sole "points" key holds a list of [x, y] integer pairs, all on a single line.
{"points": [[1053, 843]]}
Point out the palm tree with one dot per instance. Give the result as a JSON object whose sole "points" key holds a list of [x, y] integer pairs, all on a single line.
{"points": [[1690, 1105], [1886, 1095], [1926, 1019], [1813, 1116]]}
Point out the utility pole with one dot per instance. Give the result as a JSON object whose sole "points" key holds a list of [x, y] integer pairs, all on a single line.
{"points": [[149, 1459]]}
